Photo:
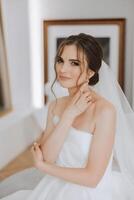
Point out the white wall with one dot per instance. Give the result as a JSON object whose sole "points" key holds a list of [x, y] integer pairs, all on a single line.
{"points": [[67, 9], [36, 53], [22, 35], [16, 27], [23, 42], [16, 138]]}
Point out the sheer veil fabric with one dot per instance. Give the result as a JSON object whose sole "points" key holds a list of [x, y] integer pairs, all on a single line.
{"points": [[109, 88]]}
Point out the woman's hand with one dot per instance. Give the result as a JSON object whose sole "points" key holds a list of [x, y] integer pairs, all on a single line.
{"points": [[80, 101], [37, 155]]}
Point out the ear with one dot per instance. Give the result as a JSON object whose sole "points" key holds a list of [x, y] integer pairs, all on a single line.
{"points": [[90, 73]]}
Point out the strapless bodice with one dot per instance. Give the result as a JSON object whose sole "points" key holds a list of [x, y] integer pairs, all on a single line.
{"points": [[75, 148]]}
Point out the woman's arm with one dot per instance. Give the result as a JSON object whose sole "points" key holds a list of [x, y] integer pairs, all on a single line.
{"points": [[100, 152], [54, 136]]}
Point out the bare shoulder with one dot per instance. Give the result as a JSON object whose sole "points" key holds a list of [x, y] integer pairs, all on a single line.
{"points": [[105, 123], [105, 109]]}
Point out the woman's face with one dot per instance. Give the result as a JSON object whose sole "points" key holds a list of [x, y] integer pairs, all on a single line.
{"points": [[71, 70]]}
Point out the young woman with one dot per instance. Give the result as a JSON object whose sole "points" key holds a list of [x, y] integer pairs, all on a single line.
{"points": [[85, 116], [76, 151]]}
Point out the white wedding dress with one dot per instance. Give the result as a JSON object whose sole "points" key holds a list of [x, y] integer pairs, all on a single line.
{"points": [[74, 153]]}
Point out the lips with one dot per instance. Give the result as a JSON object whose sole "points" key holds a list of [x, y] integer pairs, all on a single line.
{"points": [[63, 77]]}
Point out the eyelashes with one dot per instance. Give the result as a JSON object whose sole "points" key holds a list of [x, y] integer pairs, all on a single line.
{"points": [[59, 60], [74, 63]]}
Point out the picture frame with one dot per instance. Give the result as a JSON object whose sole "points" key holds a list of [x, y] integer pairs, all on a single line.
{"points": [[5, 94], [109, 32]]}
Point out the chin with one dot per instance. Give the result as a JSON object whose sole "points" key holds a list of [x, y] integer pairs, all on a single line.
{"points": [[66, 85]]}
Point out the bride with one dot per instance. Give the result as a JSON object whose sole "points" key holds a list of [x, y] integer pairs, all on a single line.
{"points": [[86, 131]]}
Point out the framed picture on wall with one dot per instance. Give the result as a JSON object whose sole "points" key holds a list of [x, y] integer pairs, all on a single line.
{"points": [[110, 33], [5, 96]]}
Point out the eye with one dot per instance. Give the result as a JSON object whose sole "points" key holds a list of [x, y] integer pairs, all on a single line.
{"points": [[59, 60], [74, 63]]}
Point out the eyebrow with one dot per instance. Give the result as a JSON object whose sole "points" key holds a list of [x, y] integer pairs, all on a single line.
{"points": [[76, 60]]}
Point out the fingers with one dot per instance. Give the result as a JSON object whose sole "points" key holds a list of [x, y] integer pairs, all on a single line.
{"points": [[83, 90], [80, 92], [84, 87], [76, 97], [86, 94], [87, 97], [35, 146]]}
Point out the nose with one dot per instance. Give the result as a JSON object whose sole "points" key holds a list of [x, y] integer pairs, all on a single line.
{"points": [[64, 68]]}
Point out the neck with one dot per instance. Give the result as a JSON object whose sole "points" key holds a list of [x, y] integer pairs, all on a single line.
{"points": [[72, 91]]}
